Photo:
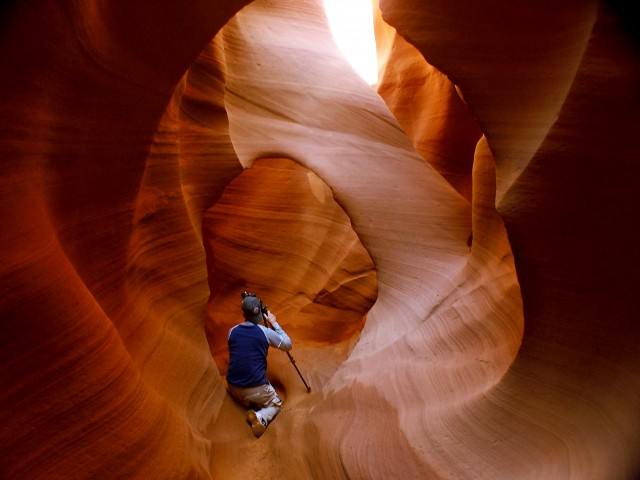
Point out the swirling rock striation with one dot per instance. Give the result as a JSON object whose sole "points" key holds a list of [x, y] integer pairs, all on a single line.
{"points": [[453, 254]]}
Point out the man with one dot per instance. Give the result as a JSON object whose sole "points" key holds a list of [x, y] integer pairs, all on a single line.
{"points": [[248, 344]]}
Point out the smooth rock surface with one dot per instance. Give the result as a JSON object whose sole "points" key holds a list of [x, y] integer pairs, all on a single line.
{"points": [[453, 250]]}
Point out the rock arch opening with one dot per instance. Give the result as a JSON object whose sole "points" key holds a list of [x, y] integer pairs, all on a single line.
{"points": [[276, 230]]}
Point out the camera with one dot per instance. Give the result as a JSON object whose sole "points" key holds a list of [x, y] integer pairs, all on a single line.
{"points": [[264, 308]]}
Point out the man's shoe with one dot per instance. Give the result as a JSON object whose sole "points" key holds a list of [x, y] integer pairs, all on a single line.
{"points": [[258, 425]]}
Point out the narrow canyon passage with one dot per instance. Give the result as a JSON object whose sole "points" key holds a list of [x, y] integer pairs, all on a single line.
{"points": [[452, 250]]}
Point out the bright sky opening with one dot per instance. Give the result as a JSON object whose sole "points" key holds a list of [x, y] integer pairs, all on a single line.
{"points": [[351, 23]]}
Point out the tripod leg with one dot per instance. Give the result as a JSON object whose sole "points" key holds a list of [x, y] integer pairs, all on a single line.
{"points": [[299, 374]]}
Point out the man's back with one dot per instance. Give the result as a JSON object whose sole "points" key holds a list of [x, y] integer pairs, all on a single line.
{"points": [[248, 347]]}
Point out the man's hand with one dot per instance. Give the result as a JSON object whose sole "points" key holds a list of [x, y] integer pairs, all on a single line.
{"points": [[270, 318]]}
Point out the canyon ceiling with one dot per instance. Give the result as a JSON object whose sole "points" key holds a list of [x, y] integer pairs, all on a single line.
{"points": [[454, 251]]}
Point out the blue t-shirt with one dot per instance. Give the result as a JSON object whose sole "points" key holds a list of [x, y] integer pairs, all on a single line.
{"points": [[248, 346]]}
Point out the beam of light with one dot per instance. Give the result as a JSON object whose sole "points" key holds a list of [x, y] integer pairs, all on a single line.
{"points": [[351, 23]]}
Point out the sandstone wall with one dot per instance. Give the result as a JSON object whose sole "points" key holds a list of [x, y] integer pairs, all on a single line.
{"points": [[453, 254]]}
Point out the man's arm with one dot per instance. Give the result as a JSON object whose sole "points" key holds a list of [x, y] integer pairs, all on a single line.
{"points": [[277, 337]]}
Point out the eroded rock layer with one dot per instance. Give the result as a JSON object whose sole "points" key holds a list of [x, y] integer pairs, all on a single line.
{"points": [[453, 254]]}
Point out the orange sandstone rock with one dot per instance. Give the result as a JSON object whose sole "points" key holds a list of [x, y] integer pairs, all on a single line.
{"points": [[441, 127], [485, 210]]}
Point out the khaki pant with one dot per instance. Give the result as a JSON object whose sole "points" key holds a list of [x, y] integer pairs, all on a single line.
{"points": [[263, 399]]}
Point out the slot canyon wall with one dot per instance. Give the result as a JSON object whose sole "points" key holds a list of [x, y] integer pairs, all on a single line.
{"points": [[453, 251]]}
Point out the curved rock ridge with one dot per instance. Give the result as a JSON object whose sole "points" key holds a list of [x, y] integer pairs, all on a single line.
{"points": [[105, 368], [557, 102], [478, 210], [440, 126]]}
